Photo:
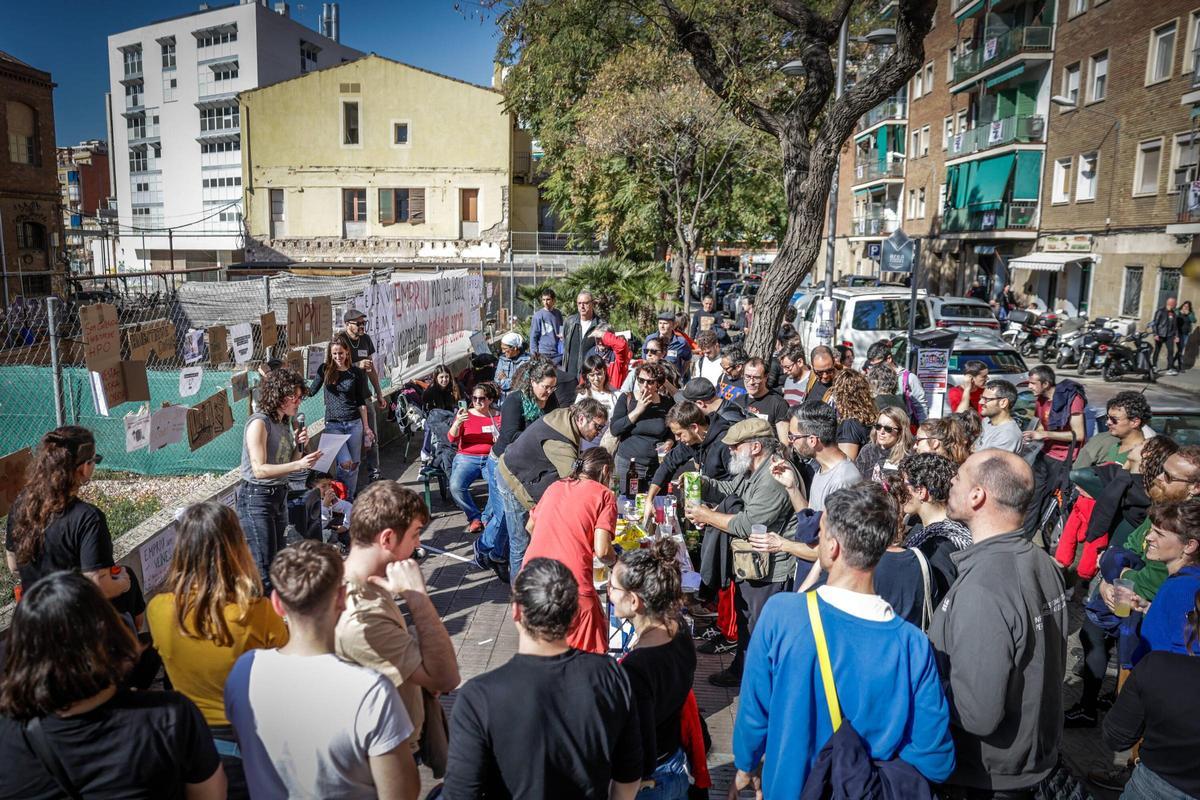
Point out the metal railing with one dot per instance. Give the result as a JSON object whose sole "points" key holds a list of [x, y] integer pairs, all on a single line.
{"points": [[1196, 67], [985, 135], [1187, 202], [994, 49], [874, 171], [522, 163], [892, 108], [1013, 215], [879, 219], [539, 242]]}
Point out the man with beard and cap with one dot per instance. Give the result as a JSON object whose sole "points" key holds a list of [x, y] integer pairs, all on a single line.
{"points": [[752, 445]]}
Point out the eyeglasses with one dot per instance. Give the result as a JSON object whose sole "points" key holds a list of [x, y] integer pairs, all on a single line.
{"points": [[747, 377], [479, 398], [362, 323], [644, 381], [1167, 477], [887, 428], [824, 373], [985, 399], [794, 436]]}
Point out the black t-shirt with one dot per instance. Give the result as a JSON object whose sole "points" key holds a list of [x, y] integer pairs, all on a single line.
{"points": [[661, 678], [772, 406], [544, 726], [898, 580], [344, 396], [851, 431], [137, 745], [362, 347], [77, 540], [817, 393], [639, 437]]}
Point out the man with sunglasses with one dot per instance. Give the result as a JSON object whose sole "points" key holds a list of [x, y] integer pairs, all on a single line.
{"points": [[824, 370], [676, 350], [361, 350], [999, 430]]}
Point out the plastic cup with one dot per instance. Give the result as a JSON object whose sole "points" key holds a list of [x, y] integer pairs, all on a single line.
{"points": [[599, 571], [1123, 602], [661, 449], [758, 537]]}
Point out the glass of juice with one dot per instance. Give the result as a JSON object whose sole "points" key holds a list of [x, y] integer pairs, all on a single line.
{"points": [[1123, 603]]}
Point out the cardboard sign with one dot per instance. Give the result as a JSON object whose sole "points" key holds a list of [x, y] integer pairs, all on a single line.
{"points": [[310, 320], [208, 419], [295, 360], [239, 382], [156, 338], [189, 380], [156, 558], [269, 332], [166, 426], [218, 344], [322, 319], [119, 383], [13, 469], [101, 336], [243, 342]]}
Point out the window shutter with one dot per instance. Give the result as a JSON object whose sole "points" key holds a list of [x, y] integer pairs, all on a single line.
{"points": [[416, 206], [387, 211]]}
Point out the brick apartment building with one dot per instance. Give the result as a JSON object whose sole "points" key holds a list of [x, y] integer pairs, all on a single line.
{"points": [[30, 222], [83, 179], [1051, 146]]}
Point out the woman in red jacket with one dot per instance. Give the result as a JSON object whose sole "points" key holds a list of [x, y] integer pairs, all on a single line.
{"points": [[473, 432], [606, 341]]}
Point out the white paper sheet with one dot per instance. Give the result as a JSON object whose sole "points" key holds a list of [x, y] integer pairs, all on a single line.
{"points": [[242, 338], [137, 431], [329, 446], [189, 380], [167, 426]]}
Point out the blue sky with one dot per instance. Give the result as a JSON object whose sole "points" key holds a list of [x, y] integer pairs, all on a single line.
{"points": [[68, 38]]}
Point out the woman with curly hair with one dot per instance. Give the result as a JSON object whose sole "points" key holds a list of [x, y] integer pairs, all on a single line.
{"points": [[50, 528], [271, 450], [212, 611], [852, 399], [891, 441], [943, 437]]}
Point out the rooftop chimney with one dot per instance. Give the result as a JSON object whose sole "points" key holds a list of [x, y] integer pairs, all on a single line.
{"points": [[329, 21]]}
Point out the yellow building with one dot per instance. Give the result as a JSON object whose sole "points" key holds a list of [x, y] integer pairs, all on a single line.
{"points": [[377, 161]]}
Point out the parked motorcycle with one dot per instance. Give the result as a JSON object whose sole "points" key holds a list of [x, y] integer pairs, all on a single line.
{"points": [[1071, 343], [1041, 333], [1129, 356], [1063, 328]]}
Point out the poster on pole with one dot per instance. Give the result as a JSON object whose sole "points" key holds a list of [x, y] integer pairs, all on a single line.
{"points": [[932, 371]]}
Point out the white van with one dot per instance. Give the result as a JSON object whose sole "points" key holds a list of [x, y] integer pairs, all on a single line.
{"points": [[863, 315]]}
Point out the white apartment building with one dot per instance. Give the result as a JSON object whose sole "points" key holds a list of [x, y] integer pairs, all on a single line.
{"points": [[174, 132]]}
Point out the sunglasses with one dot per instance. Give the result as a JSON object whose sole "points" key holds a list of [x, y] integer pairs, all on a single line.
{"points": [[823, 373], [362, 323], [645, 381], [1116, 420], [479, 398], [654, 352], [95, 459], [927, 439], [887, 428]]}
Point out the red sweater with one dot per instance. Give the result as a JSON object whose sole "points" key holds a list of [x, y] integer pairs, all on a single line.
{"points": [[476, 435], [619, 368]]}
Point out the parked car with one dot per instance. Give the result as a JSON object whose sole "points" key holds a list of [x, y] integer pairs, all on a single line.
{"points": [[706, 282], [863, 316], [963, 313], [731, 303], [1002, 360]]}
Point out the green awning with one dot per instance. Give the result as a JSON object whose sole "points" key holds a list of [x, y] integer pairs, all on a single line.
{"points": [[1003, 76], [971, 10], [1028, 179], [859, 192], [988, 182], [881, 145]]}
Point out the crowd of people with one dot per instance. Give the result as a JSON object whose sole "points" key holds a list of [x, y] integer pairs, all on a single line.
{"points": [[890, 580]]}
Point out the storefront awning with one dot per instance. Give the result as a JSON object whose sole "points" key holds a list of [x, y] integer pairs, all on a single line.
{"points": [[1047, 262]]}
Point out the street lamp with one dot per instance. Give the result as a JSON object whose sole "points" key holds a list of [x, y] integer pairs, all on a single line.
{"points": [[1066, 102], [879, 37]]}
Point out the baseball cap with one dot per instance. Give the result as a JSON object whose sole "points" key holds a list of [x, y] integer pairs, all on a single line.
{"points": [[753, 428], [696, 389], [352, 314], [512, 339]]}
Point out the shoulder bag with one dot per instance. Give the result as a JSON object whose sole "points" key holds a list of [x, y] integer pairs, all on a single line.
{"points": [[926, 581], [41, 747]]}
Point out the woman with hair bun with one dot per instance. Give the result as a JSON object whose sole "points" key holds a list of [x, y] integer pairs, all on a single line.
{"points": [[646, 589], [573, 524]]}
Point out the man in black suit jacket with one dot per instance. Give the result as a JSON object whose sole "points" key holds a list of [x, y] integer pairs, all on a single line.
{"points": [[575, 333]]}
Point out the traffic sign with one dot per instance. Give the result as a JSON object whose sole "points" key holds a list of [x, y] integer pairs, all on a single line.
{"points": [[897, 253], [873, 251]]}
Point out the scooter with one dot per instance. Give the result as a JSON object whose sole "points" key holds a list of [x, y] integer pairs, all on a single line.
{"points": [[1041, 333], [1065, 327], [1093, 349], [1129, 356], [1070, 344]]}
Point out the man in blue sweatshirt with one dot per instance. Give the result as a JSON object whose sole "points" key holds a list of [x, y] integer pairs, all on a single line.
{"points": [[883, 667], [545, 331]]}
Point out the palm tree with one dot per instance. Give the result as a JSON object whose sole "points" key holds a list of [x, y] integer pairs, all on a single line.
{"points": [[628, 294]]}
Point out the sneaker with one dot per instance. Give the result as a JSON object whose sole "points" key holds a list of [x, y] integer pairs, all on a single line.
{"points": [[1079, 717], [725, 679], [1113, 780], [716, 646], [701, 611], [1172, 372], [475, 527], [708, 635], [501, 570], [1105, 701]]}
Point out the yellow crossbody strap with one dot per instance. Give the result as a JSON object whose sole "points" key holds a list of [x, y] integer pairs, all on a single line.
{"points": [[831, 699]]}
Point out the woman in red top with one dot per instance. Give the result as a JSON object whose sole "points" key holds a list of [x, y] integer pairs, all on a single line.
{"points": [[573, 524], [975, 375], [473, 432], [607, 341]]}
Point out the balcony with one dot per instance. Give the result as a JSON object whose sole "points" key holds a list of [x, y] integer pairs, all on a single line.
{"points": [[522, 165], [887, 9], [1013, 215], [892, 108], [879, 219], [871, 171], [1009, 130], [994, 50]]}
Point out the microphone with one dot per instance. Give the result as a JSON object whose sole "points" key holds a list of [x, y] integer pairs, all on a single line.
{"points": [[300, 421]]}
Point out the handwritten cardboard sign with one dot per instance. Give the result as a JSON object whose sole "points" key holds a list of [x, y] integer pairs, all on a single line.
{"points": [[310, 320], [239, 384], [295, 360], [101, 336], [218, 344], [156, 558], [13, 470], [208, 419], [119, 383], [167, 426], [156, 338], [269, 332]]}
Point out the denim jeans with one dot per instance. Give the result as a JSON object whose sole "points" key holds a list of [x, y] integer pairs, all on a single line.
{"points": [[516, 515], [466, 470], [262, 509], [1146, 784], [493, 542], [350, 451], [670, 780]]}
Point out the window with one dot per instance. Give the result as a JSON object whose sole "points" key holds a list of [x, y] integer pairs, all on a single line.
{"points": [[1085, 180], [1070, 83], [1184, 156], [1098, 77], [308, 56], [925, 141], [132, 58], [1189, 58], [350, 132], [912, 203], [354, 205], [951, 54], [921, 202], [960, 121], [918, 85], [169, 87], [225, 72], [168, 54], [915, 149], [22, 134], [1061, 190], [947, 131], [1168, 284], [401, 205], [1149, 159], [941, 200], [399, 133], [31, 236], [1161, 58], [885, 315], [1077, 7], [1131, 294], [136, 126], [137, 160], [220, 118], [133, 95], [929, 77], [214, 38]]}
